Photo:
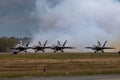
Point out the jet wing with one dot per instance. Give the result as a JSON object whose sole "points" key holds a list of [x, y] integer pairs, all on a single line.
{"points": [[67, 47], [28, 47], [108, 48], [89, 47], [70, 47], [15, 49], [46, 47], [38, 47]]}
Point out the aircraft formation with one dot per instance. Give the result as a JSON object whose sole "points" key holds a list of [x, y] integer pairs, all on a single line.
{"points": [[58, 47], [40, 47]]}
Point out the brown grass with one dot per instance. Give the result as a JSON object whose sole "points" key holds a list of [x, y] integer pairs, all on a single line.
{"points": [[34, 67]]}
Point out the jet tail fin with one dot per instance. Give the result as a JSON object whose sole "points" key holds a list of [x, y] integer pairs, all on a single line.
{"points": [[21, 42], [99, 44], [64, 43], [27, 43], [39, 43], [45, 43], [58, 43], [104, 44]]}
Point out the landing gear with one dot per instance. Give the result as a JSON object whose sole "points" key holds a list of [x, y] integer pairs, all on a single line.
{"points": [[25, 51], [95, 51], [43, 51], [62, 51], [102, 51], [14, 52], [118, 52], [54, 51]]}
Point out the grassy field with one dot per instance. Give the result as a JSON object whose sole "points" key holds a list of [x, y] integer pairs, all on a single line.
{"points": [[33, 64]]}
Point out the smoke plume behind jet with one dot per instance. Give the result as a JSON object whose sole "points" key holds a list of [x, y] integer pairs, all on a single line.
{"points": [[81, 22]]}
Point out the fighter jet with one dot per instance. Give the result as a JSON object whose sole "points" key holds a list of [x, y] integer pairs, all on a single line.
{"points": [[20, 47], [99, 47], [60, 47], [39, 47]]}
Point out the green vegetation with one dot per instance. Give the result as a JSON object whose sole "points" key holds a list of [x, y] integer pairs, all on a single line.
{"points": [[7, 43], [32, 65]]}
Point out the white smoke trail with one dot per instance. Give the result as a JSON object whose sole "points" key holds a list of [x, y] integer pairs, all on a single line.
{"points": [[81, 22]]}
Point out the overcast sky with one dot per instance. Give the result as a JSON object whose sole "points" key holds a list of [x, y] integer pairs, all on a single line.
{"points": [[16, 19]]}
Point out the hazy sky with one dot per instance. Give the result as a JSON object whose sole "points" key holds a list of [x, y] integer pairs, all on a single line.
{"points": [[16, 19], [81, 21]]}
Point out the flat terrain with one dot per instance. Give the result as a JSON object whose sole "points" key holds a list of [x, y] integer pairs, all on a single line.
{"points": [[91, 77], [50, 64]]}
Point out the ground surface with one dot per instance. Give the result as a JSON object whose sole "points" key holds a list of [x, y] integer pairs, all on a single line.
{"points": [[50, 64], [93, 77]]}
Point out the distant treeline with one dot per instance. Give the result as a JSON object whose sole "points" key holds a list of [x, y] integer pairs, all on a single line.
{"points": [[8, 42]]}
